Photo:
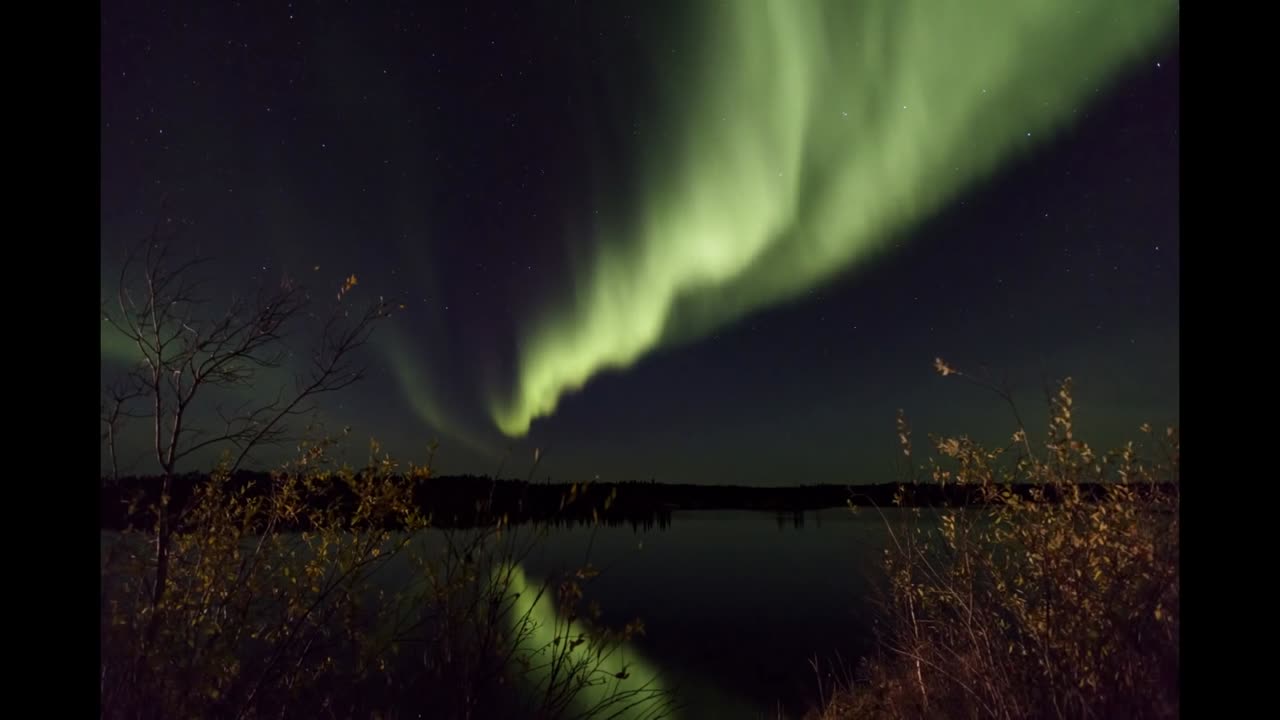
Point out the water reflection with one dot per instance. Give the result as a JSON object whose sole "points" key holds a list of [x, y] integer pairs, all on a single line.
{"points": [[735, 603]]}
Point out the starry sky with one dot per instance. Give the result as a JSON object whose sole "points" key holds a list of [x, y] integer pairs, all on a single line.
{"points": [[696, 242]]}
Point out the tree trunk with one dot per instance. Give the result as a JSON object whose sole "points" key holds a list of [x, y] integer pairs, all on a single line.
{"points": [[163, 535]]}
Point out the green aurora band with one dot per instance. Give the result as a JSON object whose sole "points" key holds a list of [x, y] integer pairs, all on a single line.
{"points": [[423, 394], [803, 135]]}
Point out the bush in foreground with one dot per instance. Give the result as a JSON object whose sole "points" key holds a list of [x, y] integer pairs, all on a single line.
{"points": [[285, 604], [1049, 604]]}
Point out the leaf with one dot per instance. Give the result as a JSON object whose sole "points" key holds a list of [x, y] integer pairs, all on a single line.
{"points": [[942, 367]]}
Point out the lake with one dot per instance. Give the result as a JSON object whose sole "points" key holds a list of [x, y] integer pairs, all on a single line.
{"points": [[736, 603]]}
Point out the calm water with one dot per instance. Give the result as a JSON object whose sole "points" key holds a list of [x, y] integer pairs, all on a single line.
{"points": [[736, 603]]}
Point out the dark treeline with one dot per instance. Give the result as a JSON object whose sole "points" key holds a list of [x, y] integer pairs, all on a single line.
{"points": [[468, 500]]}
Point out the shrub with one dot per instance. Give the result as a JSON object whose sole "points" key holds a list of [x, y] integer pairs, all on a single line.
{"points": [[324, 595], [1042, 599]]}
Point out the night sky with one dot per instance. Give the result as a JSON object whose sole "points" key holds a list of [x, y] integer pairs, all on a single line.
{"points": [[694, 242]]}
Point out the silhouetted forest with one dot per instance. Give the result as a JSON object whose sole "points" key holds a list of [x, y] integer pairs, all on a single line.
{"points": [[468, 500]]}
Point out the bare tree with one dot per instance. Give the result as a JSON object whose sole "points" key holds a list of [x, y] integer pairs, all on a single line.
{"points": [[118, 399], [189, 351]]}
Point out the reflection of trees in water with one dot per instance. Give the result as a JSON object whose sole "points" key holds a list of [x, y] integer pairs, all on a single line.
{"points": [[795, 517], [639, 521]]}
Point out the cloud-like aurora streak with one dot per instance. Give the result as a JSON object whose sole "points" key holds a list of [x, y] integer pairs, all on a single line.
{"points": [[801, 136], [423, 395]]}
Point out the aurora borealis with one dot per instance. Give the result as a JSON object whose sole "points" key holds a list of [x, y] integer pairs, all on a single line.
{"points": [[696, 241], [803, 136]]}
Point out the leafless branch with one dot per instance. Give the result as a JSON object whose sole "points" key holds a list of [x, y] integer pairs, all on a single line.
{"points": [[190, 351]]}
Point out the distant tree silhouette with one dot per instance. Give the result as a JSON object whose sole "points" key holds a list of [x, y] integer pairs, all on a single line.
{"points": [[190, 350]]}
